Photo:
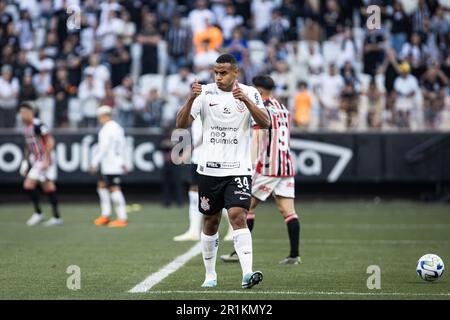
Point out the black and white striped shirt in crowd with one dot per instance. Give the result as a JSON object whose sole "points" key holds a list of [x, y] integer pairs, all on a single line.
{"points": [[179, 41]]}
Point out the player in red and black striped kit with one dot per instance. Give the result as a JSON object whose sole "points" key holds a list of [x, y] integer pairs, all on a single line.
{"points": [[274, 172], [39, 146]]}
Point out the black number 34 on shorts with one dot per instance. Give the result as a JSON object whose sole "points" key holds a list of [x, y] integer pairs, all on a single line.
{"points": [[216, 193]]}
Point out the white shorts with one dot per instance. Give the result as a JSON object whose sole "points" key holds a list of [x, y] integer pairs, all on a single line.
{"points": [[264, 186], [37, 173]]}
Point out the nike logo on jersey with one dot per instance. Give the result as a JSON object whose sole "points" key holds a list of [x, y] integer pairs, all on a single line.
{"points": [[240, 198], [213, 104]]}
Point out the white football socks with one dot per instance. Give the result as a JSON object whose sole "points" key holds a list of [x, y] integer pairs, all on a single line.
{"points": [[243, 246], [119, 203], [195, 216], [210, 245], [105, 201]]}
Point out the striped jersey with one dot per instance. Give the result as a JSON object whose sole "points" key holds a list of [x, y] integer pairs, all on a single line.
{"points": [[274, 154], [35, 134]]}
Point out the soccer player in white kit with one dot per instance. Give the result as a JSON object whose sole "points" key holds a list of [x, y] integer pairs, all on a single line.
{"points": [[227, 110], [39, 147], [111, 157], [274, 173]]}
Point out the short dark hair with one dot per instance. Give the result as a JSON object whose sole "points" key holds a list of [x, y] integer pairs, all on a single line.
{"points": [[264, 81], [227, 58], [28, 105]]}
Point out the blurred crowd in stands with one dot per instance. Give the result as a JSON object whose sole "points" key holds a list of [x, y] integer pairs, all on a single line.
{"points": [[141, 56]]}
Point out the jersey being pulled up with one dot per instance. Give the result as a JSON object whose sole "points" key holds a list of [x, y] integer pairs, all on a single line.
{"points": [[226, 131], [111, 150]]}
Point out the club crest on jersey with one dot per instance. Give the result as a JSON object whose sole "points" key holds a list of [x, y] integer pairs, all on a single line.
{"points": [[240, 106], [204, 203]]}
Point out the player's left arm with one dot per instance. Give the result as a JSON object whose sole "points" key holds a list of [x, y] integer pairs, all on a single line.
{"points": [[258, 113], [49, 146]]}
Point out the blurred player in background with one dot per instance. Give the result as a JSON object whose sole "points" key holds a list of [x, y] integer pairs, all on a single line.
{"points": [[38, 153], [226, 110], [111, 156], [274, 174]]}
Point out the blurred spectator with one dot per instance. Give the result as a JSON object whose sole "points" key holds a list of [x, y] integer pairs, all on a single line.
{"points": [[124, 96], [440, 28], [230, 22], [211, 34], [8, 37], [247, 68], [332, 19], [261, 14], [302, 106], [120, 61], [178, 89], [283, 79], [434, 89], [179, 45], [329, 94], [205, 59], [315, 66], [166, 9], [374, 105], [200, 16], [416, 54], [5, 18], [22, 66], [151, 115], [401, 26], [101, 72], [109, 29], [349, 104], [349, 50], [149, 38], [27, 90], [237, 45], [70, 59], [63, 91], [129, 29], [42, 81], [406, 88], [278, 28], [51, 47], [90, 93], [25, 30], [9, 93], [374, 46], [419, 16]]}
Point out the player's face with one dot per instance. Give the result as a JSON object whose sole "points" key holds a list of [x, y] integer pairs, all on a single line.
{"points": [[26, 115], [225, 75]]}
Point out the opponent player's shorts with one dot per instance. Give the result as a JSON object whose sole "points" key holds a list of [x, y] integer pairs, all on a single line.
{"points": [[264, 186], [111, 180], [37, 172], [193, 175], [216, 193]]}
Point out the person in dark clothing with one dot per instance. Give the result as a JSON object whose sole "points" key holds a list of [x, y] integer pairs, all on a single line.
{"points": [[172, 185]]}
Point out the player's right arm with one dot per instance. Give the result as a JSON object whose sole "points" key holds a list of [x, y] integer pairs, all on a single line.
{"points": [[184, 118], [103, 146]]}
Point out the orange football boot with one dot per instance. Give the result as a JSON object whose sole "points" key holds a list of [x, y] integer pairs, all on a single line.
{"points": [[101, 221]]}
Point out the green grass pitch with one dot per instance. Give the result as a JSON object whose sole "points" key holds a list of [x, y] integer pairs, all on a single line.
{"points": [[339, 240]]}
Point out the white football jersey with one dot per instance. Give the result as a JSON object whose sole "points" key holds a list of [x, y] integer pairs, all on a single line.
{"points": [[111, 149], [226, 130]]}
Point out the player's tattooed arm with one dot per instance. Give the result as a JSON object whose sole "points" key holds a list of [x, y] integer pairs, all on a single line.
{"points": [[184, 118], [259, 115]]}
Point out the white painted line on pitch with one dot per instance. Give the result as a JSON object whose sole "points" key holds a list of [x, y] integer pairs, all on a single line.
{"points": [[165, 271], [300, 293]]}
